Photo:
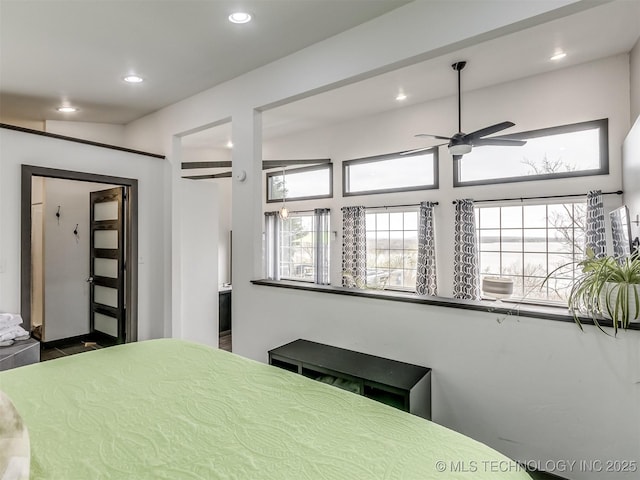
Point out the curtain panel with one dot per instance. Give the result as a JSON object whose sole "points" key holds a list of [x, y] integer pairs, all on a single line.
{"points": [[322, 229], [354, 247], [272, 245], [466, 278], [595, 234], [426, 283]]}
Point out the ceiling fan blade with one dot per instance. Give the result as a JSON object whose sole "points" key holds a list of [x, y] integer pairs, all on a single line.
{"points": [[483, 132], [439, 137], [409, 152], [507, 142], [416, 150]]}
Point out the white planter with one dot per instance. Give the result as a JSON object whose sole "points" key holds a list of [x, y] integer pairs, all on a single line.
{"points": [[611, 291]]}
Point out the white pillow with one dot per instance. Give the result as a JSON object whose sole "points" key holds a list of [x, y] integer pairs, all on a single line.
{"points": [[14, 442]]}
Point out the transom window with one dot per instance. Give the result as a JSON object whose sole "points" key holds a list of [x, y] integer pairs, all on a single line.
{"points": [[392, 249], [528, 242], [567, 151], [391, 173], [300, 183]]}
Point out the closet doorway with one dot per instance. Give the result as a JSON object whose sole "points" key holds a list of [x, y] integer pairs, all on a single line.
{"points": [[79, 230]]}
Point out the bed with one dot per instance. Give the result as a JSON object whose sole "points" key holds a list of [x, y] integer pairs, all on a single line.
{"points": [[170, 409]]}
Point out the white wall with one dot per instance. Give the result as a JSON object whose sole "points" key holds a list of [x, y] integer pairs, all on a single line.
{"points": [[631, 147], [631, 176], [634, 62], [224, 229], [199, 263], [66, 257], [108, 133], [532, 388], [18, 148], [551, 99]]}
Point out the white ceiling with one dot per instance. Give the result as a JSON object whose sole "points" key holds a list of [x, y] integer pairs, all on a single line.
{"points": [[76, 52], [184, 47], [592, 34], [602, 31]]}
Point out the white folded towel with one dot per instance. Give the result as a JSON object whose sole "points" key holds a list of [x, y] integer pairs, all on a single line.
{"points": [[13, 333], [9, 320]]}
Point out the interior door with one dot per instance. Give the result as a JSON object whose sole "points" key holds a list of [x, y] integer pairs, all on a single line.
{"points": [[107, 265]]}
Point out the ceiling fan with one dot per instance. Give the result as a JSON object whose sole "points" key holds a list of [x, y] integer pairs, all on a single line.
{"points": [[462, 143]]}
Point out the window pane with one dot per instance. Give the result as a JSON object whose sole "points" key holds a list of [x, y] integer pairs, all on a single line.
{"points": [[511, 264], [535, 216], [489, 240], [382, 239], [382, 221], [371, 220], [411, 220], [413, 172], [535, 264], [511, 240], [490, 263], [383, 258], [556, 261], [511, 217], [396, 239], [553, 152], [561, 240], [489, 218], [300, 183], [410, 240], [535, 240], [396, 221]]}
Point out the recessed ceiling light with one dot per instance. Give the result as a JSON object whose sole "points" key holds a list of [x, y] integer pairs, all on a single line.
{"points": [[558, 56], [133, 79], [239, 17], [67, 109], [401, 96], [229, 144]]}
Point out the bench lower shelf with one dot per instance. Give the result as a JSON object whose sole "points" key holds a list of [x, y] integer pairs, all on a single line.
{"points": [[398, 384]]}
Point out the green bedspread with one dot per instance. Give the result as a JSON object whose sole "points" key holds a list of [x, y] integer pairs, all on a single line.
{"points": [[169, 409]]}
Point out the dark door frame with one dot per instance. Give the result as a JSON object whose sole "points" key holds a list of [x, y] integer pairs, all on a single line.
{"points": [[131, 240]]}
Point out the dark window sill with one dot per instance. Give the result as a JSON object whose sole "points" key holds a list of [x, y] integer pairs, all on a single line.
{"points": [[505, 308]]}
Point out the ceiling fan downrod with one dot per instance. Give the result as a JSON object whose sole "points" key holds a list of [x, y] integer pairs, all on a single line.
{"points": [[458, 66]]}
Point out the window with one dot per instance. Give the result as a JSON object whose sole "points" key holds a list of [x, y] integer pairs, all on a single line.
{"points": [[297, 257], [392, 249], [527, 242], [391, 173], [300, 183], [297, 248], [568, 151]]}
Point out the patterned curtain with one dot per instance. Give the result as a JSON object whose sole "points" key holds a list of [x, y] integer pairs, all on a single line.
{"points": [[272, 245], [466, 280], [321, 218], [426, 268], [595, 235], [354, 247]]}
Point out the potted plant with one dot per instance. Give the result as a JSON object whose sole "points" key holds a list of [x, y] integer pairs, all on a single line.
{"points": [[606, 286]]}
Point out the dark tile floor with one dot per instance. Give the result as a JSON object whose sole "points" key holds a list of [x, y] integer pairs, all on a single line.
{"points": [[63, 350], [225, 342]]}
